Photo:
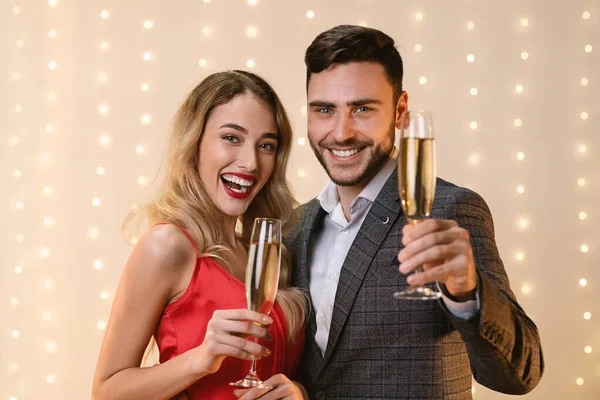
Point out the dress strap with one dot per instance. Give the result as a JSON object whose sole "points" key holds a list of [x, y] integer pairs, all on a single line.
{"points": [[184, 232]]}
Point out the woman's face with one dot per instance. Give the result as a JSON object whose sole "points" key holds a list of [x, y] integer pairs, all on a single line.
{"points": [[237, 152]]}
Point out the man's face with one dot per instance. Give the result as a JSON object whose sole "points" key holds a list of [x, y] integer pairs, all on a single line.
{"points": [[351, 120]]}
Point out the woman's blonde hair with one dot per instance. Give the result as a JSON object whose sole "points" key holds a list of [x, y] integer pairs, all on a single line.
{"points": [[184, 201]]}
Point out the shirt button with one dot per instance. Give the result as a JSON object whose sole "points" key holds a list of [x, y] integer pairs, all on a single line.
{"points": [[333, 274], [345, 231]]}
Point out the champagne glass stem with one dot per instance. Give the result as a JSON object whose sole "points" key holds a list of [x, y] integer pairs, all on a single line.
{"points": [[253, 362]]}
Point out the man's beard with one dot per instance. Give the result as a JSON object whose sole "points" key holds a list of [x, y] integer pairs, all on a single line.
{"points": [[379, 157]]}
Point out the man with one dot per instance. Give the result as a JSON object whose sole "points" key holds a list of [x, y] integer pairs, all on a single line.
{"points": [[361, 342]]}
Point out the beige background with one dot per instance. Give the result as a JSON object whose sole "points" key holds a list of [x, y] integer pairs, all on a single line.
{"points": [[57, 126]]}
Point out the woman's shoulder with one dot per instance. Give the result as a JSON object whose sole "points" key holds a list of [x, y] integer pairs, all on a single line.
{"points": [[165, 246]]}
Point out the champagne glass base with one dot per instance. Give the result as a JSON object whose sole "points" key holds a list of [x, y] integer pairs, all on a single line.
{"points": [[251, 381], [417, 293]]}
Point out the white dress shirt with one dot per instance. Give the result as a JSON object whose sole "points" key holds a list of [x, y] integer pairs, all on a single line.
{"points": [[331, 245]]}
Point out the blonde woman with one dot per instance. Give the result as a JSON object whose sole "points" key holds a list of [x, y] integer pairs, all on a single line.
{"points": [[183, 283]]}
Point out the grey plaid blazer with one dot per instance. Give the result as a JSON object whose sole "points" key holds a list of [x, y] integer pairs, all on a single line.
{"points": [[382, 348]]}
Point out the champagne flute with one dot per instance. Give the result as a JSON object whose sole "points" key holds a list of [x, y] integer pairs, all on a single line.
{"points": [[262, 279], [416, 182]]}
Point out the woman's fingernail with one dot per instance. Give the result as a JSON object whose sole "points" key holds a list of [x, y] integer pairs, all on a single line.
{"points": [[267, 320], [268, 352]]}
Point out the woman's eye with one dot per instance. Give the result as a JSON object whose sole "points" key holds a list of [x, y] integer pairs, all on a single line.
{"points": [[268, 146], [231, 138]]}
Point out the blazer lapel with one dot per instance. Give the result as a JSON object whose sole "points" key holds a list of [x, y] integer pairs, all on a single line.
{"points": [[381, 217]]}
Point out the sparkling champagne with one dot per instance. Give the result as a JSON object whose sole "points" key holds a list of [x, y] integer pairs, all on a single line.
{"points": [[416, 177], [262, 276]]}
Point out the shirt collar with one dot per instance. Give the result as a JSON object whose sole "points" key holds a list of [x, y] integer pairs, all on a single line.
{"points": [[329, 197]]}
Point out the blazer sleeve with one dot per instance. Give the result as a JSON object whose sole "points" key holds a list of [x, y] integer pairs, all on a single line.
{"points": [[502, 342]]}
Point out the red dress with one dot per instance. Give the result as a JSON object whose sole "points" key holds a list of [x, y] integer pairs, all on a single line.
{"points": [[183, 325]]}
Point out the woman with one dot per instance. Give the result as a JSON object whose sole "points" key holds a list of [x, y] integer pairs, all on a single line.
{"points": [[183, 283]]}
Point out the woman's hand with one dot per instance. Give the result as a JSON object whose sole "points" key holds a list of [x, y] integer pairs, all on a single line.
{"points": [[226, 336], [283, 388]]}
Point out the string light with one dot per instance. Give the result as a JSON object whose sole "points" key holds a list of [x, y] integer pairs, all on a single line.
{"points": [[582, 148], [251, 2], [101, 325], [48, 221], [18, 269], [303, 110], [584, 81], [100, 171], [206, 31], [470, 58], [310, 14], [52, 33], [584, 248], [147, 56], [301, 141], [46, 316], [520, 156], [47, 190], [50, 346], [419, 16], [103, 109], [148, 24], [49, 284], [146, 118], [301, 173], [474, 91], [104, 45], [583, 282], [524, 22], [19, 238], [523, 223], [586, 15], [520, 189], [52, 65], [51, 97], [13, 141], [525, 289], [520, 256], [17, 173], [141, 180], [144, 87], [104, 295], [519, 88], [588, 349], [140, 149], [45, 252], [473, 159], [583, 115], [422, 80], [101, 77], [363, 24], [588, 48], [250, 63], [19, 205], [16, 334], [50, 379], [20, 43], [524, 55], [18, 108], [581, 182], [579, 381], [473, 125], [16, 10], [13, 367], [96, 201], [418, 48], [582, 215], [251, 32], [93, 233], [202, 62], [14, 301], [470, 25], [587, 315], [97, 264], [105, 14]]}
